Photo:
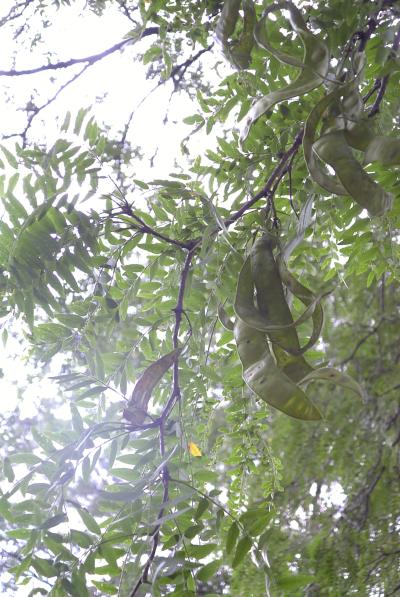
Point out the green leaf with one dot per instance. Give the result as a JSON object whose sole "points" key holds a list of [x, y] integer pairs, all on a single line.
{"points": [[54, 521], [8, 470], [231, 537], [208, 571], [243, 547], [89, 521]]}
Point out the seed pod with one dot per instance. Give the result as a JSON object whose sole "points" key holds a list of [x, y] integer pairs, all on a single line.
{"points": [[227, 21], [272, 314], [307, 298], [295, 367], [314, 66], [359, 136], [248, 312], [136, 410], [266, 380], [237, 52], [333, 149], [241, 50], [271, 300], [329, 183], [385, 150], [224, 318], [336, 377]]}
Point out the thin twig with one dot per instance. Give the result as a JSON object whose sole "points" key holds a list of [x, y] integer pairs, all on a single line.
{"points": [[146, 229], [38, 109], [384, 81]]}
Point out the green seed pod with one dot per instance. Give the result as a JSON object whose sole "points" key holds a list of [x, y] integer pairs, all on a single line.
{"points": [[224, 318], [241, 50], [271, 300], [385, 150], [227, 21], [334, 376], [307, 298], [248, 312], [360, 135], [266, 380], [271, 314], [314, 66], [237, 52], [329, 183], [333, 149]]}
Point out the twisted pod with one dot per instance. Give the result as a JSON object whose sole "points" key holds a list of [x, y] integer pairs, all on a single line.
{"points": [[266, 336], [314, 65]]}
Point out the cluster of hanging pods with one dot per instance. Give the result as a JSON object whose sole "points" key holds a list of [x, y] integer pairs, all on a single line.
{"points": [[337, 124], [265, 332], [266, 336]]}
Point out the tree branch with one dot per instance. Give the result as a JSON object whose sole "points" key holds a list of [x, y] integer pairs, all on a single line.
{"points": [[274, 179], [89, 60], [13, 14], [175, 397], [384, 81], [178, 72], [38, 109]]}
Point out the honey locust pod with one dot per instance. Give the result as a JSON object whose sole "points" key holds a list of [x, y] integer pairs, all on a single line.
{"points": [[340, 114], [238, 51], [224, 318], [334, 376], [266, 380], [385, 150], [334, 150], [307, 298], [269, 279], [314, 65], [317, 173], [260, 300], [327, 114], [136, 409], [246, 309]]}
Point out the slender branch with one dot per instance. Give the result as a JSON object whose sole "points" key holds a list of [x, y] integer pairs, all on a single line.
{"points": [[371, 92], [13, 14], [156, 531], [179, 68], [175, 397], [146, 229], [360, 343], [276, 175], [127, 11], [38, 109], [384, 81], [89, 60], [178, 72], [267, 191]]}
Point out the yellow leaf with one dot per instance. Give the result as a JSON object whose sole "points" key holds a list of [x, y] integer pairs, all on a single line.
{"points": [[194, 449]]}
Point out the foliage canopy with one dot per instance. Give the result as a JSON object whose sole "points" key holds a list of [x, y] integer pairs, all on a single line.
{"points": [[270, 256]]}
